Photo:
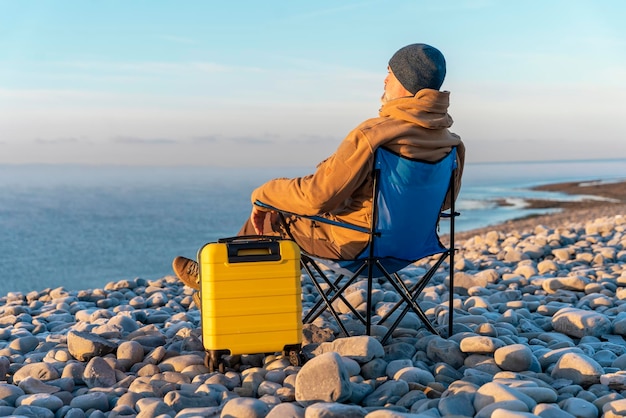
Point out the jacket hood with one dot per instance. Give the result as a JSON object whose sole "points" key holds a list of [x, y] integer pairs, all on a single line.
{"points": [[428, 109]]}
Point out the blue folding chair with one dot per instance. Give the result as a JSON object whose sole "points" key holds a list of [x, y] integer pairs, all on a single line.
{"points": [[408, 198]]}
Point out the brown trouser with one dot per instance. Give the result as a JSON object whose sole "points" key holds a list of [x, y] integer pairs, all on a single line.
{"points": [[310, 236]]}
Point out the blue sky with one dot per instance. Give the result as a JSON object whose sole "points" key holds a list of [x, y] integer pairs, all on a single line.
{"points": [[280, 83]]}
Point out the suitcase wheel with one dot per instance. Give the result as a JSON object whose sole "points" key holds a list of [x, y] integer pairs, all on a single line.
{"points": [[220, 365], [214, 359], [294, 353], [296, 358]]}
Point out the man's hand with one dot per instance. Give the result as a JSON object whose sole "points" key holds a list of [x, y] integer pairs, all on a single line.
{"points": [[257, 217]]}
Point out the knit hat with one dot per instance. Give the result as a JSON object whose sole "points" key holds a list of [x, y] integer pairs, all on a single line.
{"points": [[418, 66]]}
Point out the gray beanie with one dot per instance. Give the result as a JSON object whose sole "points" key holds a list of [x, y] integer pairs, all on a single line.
{"points": [[419, 66]]}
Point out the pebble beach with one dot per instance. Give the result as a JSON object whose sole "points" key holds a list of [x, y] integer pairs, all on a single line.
{"points": [[540, 331]]}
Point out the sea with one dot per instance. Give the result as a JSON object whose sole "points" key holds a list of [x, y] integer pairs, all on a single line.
{"points": [[81, 227]]}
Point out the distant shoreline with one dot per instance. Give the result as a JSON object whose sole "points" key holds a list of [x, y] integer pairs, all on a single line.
{"points": [[612, 204]]}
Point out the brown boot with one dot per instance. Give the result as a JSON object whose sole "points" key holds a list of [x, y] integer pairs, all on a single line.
{"points": [[187, 272], [196, 300]]}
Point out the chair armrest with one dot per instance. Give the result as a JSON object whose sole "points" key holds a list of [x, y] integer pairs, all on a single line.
{"points": [[315, 218], [449, 215]]}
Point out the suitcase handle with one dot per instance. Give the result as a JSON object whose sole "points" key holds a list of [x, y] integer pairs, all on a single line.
{"points": [[248, 238], [242, 251]]}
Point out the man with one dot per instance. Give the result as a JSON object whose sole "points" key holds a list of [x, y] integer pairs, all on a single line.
{"points": [[413, 121]]}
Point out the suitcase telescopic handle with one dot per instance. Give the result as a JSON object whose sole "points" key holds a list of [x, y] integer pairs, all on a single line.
{"points": [[253, 251]]}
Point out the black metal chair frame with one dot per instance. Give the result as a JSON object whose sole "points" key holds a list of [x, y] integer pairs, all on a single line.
{"points": [[371, 263]]}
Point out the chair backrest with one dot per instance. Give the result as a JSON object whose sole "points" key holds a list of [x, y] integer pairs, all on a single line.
{"points": [[409, 195]]}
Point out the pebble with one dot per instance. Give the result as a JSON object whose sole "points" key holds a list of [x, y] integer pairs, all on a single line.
{"points": [[324, 378], [540, 321]]}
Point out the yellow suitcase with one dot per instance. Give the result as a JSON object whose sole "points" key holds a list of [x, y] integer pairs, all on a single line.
{"points": [[251, 298]]}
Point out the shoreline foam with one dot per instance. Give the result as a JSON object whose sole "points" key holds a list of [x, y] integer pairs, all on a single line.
{"points": [[566, 210]]}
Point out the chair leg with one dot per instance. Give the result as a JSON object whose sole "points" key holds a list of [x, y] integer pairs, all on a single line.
{"points": [[334, 290], [409, 297], [313, 312], [451, 290], [410, 305], [325, 297], [326, 301]]}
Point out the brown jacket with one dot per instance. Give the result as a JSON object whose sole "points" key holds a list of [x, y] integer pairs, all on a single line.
{"points": [[341, 187]]}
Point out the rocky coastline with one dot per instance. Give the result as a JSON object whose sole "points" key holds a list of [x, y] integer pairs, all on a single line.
{"points": [[540, 328]]}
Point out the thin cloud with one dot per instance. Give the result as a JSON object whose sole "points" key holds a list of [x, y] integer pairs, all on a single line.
{"points": [[240, 140], [144, 141], [61, 141], [315, 139], [206, 139], [43, 94], [253, 141], [159, 67], [144, 67]]}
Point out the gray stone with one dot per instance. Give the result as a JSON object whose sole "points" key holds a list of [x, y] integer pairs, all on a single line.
{"points": [[539, 394], [546, 410], [92, 400], [32, 385], [323, 379], [42, 400], [579, 368], [445, 351], [286, 410], [615, 407], [24, 344], [69, 412], [74, 370], [552, 356], [410, 398], [268, 388], [335, 410], [153, 407], [359, 392], [387, 393], [398, 351], [41, 371], [32, 411], [128, 354], [181, 362], [480, 344], [245, 407], [580, 408], [506, 408], [575, 283], [212, 412], [83, 346], [5, 364], [460, 404], [360, 348], [615, 380], [395, 365], [506, 413], [179, 400], [516, 357], [10, 393], [252, 379], [374, 368], [125, 323], [99, 373], [579, 323], [414, 375], [494, 392]]}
